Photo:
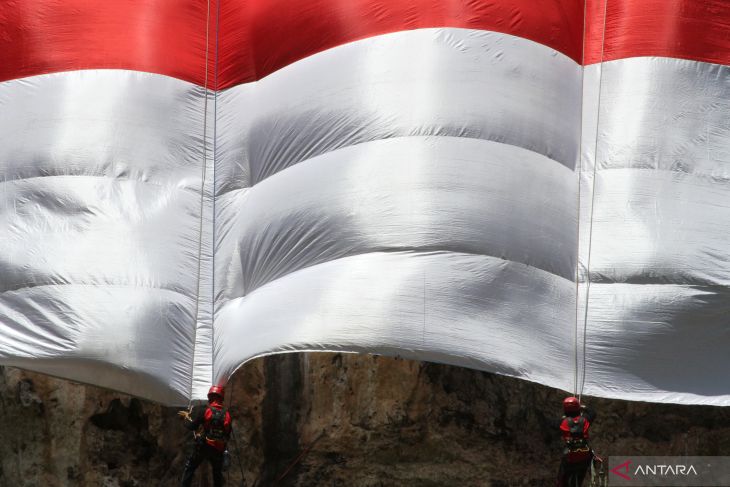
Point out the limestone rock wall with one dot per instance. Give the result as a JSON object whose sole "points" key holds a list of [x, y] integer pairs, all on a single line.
{"points": [[331, 420]]}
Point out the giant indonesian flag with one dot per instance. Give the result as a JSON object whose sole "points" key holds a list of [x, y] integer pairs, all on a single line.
{"points": [[187, 185]]}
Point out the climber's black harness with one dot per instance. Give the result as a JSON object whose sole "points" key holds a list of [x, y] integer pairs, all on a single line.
{"points": [[576, 447], [215, 428]]}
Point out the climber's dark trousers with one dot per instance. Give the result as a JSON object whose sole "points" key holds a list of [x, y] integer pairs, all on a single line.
{"points": [[572, 474], [204, 452]]}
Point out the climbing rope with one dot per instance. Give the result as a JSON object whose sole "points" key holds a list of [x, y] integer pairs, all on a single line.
{"points": [[202, 200], [577, 206], [579, 391], [599, 477], [238, 456], [300, 457], [202, 189]]}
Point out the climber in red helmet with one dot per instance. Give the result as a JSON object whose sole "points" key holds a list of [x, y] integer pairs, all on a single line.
{"points": [[212, 428], [577, 453]]}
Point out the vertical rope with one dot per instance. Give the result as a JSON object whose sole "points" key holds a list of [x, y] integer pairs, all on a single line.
{"points": [[202, 195], [593, 200], [215, 187], [577, 231]]}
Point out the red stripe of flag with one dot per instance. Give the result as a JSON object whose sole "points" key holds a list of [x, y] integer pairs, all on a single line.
{"points": [[258, 37], [271, 34], [158, 36], [687, 29]]}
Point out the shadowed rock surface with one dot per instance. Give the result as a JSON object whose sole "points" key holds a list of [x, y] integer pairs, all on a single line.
{"points": [[350, 420]]}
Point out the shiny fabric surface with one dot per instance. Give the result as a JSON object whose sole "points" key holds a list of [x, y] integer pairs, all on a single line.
{"points": [[100, 188], [415, 178], [258, 38], [243, 40], [511, 316], [359, 211], [659, 262], [401, 194], [157, 36], [680, 29], [440, 82]]}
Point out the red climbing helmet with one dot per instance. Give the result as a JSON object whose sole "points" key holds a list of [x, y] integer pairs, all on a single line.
{"points": [[571, 405], [216, 391]]}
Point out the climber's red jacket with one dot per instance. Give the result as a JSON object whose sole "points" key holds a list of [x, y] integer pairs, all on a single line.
{"points": [[574, 432], [216, 423]]}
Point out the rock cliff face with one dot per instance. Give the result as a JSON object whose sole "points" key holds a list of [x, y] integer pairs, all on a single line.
{"points": [[332, 420]]}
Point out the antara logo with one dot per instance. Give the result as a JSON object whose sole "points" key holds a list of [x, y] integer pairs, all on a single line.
{"points": [[625, 467]]}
